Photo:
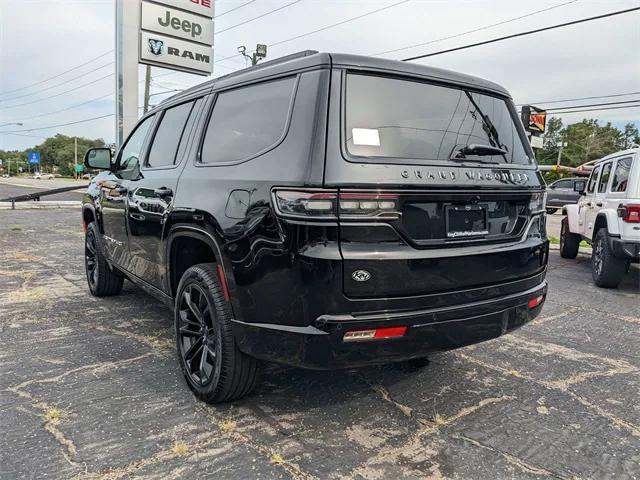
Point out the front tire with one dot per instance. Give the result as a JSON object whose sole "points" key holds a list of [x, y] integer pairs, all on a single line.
{"points": [[569, 242], [102, 280], [607, 270], [213, 366]]}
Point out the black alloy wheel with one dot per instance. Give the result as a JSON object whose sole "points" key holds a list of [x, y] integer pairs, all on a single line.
{"points": [[102, 279], [212, 364], [199, 336]]}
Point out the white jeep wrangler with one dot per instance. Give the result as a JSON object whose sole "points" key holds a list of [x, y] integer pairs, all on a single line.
{"points": [[607, 216]]}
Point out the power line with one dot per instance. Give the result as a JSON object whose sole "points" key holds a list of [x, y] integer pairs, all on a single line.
{"points": [[340, 23], [67, 108], [60, 74], [474, 30], [593, 109], [259, 16], [58, 125], [57, 84], [522, 34], [58, 94], [594, 105], [234, 9], [576, 99]]}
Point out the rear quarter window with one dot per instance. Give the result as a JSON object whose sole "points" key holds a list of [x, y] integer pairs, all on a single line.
{"points": [[604, 177], [621, 175], [247, 121]]}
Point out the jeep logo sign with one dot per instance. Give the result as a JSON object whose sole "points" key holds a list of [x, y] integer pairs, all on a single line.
{"points": [[176, 23], [178, 38]]}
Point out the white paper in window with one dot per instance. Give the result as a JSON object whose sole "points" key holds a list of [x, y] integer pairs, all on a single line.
{"points": [[366, 136]]}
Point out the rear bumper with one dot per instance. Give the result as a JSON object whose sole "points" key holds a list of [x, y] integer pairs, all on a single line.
{"points": [[320, 345], [625, 249]]}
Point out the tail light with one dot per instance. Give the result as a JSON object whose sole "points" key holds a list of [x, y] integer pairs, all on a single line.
{"points": [[331, 205], [629, 213], [535, 301]]}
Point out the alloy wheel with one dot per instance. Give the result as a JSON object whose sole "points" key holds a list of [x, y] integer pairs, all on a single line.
{"points": [[598, 259], [198, 335], [90, 258]]}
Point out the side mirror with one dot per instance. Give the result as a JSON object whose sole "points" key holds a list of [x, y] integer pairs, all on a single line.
{"points": [[579, 186], [99, 158]]}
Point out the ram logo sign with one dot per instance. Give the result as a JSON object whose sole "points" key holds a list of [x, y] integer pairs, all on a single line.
{"points": [[177, 54]]}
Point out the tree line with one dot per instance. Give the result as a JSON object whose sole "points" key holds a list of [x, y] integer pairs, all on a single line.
{"points": [[56, 155]]}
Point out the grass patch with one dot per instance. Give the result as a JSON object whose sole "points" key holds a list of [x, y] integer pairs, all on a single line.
{"points": [[553, 240], [53, 415], [227, 426], [276, 458], [180, 448]]}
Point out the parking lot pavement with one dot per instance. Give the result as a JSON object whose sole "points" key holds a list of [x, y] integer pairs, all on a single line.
{"points": [[90, 389], [11, 187]]}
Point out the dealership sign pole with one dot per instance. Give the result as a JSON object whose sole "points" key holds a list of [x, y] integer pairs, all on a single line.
{"points": [[172, 34]]}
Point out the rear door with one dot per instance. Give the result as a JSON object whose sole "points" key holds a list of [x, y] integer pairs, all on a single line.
{"points": [[151, 194], [416, 213]]}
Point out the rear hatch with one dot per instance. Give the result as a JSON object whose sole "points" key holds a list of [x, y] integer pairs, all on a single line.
{"points": [[437, 189]]}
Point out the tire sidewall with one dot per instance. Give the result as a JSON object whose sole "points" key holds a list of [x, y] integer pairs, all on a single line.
{"points": [[194, 276]]}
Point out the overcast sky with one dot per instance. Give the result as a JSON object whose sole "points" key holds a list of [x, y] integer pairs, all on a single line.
{"points": [[40, 39]]}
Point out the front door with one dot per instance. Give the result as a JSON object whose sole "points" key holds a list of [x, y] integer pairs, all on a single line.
{"points": [[114, 192], [151, 194], [588, 210]]}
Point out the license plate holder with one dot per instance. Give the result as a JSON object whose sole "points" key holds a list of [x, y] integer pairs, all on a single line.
{"points": [[466, 221]]}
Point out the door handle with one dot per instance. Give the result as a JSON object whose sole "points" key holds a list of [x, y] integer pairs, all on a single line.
{"points": [[137, 216], [163, 192], [589, 204], [599, 204]]}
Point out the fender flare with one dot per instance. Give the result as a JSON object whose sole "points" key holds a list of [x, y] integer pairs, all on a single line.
{"points": [[572, 217], [610, 219]]}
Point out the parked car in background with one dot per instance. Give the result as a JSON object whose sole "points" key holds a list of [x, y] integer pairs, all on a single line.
{"points": [[608, 217], [43, 176], [324, 211], [562, 192]]}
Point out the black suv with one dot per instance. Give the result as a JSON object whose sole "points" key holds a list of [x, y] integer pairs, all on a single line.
{"points": [[323, 211]]}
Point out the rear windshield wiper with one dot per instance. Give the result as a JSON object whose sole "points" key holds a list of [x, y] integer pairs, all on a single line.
{"points": [[479, 150]]}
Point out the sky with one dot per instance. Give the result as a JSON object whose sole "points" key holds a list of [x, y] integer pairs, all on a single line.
{"points": [[43, 38]]}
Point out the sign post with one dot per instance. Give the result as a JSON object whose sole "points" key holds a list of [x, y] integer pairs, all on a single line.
{"points": [[535, 123], [173, 34]]}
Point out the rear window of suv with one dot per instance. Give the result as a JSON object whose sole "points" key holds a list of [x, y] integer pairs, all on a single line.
{"points": [[391, 118]]}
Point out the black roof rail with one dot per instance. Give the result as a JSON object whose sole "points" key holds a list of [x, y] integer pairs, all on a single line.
{"points": [[275, 61]]}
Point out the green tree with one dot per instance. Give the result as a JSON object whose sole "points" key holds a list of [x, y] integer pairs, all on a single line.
{"points": [[553, 135], [630, 136]]}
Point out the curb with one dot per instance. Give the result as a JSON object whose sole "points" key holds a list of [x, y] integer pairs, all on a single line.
{"points": [[38, 205]]}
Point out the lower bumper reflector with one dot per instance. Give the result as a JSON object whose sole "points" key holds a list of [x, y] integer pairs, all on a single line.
{"points": [[374, 334]]}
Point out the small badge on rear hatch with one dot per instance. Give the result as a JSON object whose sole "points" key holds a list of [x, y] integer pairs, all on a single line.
{"points": [[361, 275]]}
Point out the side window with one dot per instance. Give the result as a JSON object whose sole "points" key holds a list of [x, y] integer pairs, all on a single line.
{"points": [[591, 186], [168, 135], [247, 121], [604, 177], [621, 175], [130, 153], [564, 184]]}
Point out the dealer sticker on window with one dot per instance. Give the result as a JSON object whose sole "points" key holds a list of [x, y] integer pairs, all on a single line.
{"points": [[366, 136]]}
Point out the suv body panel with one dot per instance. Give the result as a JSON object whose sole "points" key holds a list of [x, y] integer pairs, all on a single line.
{"points": [[289, 280], [596, 209]]}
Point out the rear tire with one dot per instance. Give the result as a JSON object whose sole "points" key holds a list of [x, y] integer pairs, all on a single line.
{"points": [[213, 366], [551, 211], [102, 279], [607, 270], [569, 242]]}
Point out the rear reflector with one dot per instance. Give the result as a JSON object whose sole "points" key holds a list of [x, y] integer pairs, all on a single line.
{"points": [[374, 334], [535, 301]]}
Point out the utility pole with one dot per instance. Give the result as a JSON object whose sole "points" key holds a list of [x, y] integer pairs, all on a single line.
{"points": [[147, 86], [75, 166], [255, 57], [561, 145]]}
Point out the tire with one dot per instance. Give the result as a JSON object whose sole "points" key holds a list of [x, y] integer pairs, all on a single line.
{"points": [[569, 242], [213, 366], [102, 279], [551, 211], [607, 270]]}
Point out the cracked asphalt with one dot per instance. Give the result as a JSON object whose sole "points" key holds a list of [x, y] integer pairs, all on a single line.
{"points": [[90, 389]]}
